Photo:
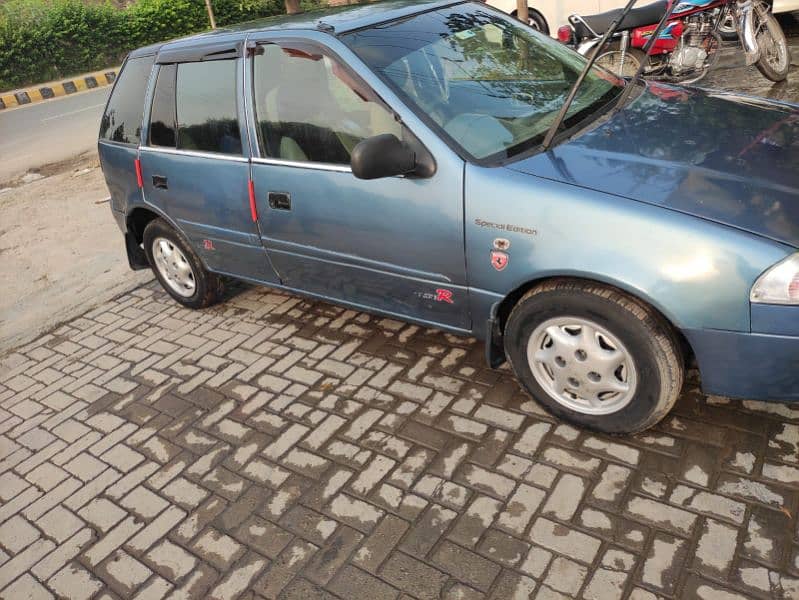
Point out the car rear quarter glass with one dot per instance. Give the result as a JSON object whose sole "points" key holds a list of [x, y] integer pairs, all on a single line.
{"points": [[123, 114], [163, 118], [206, 107]]}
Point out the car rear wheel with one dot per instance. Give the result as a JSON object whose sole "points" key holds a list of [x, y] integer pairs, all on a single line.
{"points": [[178, 268], [594, 356]]}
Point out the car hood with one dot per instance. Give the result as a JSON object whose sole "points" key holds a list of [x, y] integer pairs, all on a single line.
{"points": [[719, 156]]}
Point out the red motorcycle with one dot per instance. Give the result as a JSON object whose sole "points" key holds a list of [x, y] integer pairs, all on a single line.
{"points": [[689, 43]]}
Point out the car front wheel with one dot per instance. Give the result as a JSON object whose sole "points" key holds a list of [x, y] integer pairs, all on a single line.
{"points": [[594, 356], [178, 268]]}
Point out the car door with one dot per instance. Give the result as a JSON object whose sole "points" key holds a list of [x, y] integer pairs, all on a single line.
{"points": [[195, 165], [393, 244]]}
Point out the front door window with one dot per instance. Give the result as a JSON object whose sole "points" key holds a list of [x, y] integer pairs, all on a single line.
{"points": [[310, 109]]}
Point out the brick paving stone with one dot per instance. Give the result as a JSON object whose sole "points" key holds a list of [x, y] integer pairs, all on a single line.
{"points": [[17, 533], [465, 565], [274, 447]]}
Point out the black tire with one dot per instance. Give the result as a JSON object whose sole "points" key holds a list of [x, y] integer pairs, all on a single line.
{"points": [[537, 20], [651, 343], [766, 69], [208, 287]]}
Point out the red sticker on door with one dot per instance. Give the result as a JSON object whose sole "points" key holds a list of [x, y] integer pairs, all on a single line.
{"points": [[499, 260]]}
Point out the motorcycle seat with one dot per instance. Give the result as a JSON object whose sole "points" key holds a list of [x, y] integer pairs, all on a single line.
{"points": [[595, 25]]}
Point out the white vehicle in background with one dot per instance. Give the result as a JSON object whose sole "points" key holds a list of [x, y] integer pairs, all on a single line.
{"points": [[548, 15]]}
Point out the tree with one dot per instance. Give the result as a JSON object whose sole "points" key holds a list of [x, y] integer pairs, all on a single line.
{"points": [[210, 14], [293, 6], [521, 11]]}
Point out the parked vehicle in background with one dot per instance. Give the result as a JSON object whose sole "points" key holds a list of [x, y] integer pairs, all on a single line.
{"points": [[420, 161], [549, 15], [688, 45]]}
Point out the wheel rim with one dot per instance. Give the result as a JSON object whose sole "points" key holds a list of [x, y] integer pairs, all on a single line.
{"points": [[533, 23], [612, 61], [582, 366], [772, 42], [173, 267]]}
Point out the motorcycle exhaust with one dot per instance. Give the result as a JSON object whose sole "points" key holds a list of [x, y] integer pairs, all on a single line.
{"points": [[747, 31]]}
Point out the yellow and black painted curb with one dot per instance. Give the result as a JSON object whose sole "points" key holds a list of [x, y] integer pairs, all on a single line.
{"points": [[47, 91]]}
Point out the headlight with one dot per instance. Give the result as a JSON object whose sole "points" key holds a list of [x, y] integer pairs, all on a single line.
{"points": [[778, 285]]}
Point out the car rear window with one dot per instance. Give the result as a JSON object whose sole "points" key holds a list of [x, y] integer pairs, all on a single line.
{"points": [[207, 115], [123, 115]]}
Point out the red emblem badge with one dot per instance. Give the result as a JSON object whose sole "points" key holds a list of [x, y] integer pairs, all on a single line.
{"points": [[208, 245], [499, 260], [444, 296]]}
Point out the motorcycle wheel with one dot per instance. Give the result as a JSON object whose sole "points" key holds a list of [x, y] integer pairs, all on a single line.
{"points": [[610, 59], [775, 58]]}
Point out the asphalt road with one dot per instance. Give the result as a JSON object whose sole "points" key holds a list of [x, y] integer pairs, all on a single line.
{"points": [[47, 132]]}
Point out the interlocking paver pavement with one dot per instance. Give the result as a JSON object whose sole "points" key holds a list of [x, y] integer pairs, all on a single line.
{"points": [[275, 447]]}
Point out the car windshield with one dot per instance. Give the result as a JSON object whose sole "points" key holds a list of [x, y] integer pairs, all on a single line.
{"points": [[491, 84]]}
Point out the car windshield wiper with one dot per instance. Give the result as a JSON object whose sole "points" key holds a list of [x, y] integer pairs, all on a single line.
{"points": [[564, 110]]}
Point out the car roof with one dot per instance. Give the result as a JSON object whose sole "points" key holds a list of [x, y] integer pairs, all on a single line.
{"points": [[334, 20]]}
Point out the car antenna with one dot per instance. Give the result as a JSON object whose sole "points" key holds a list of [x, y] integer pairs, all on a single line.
{"points": [[561, 116]]}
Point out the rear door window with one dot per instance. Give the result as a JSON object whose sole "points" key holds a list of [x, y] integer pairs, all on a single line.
{"points": [[207, 116], [123, 114]]}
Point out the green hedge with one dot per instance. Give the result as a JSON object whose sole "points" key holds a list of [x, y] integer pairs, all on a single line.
{"points": [[42, 40]]}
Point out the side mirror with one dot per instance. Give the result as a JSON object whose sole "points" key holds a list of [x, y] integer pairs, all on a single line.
{"points": [[386, 156]]}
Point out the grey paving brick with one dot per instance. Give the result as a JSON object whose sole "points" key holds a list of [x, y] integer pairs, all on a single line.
{"points": [[298, 450]]}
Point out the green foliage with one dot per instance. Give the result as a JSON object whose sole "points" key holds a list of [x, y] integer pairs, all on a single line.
{"points": [[41, 40]]}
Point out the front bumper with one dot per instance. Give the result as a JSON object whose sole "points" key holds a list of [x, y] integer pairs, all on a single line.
{"points": [[761, 365]]}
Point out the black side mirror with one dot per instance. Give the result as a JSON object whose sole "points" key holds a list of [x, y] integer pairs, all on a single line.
{"points": [[386, 156]]}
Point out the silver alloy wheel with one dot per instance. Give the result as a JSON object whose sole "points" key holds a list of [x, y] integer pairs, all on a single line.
{"points": [[582, 366], [173, 267]]}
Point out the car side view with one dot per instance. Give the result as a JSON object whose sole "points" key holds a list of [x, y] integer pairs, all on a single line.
{"points": [[442, 163]]}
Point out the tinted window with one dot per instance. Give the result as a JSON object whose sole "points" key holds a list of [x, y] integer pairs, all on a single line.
{"points": [[123, 115], [206, 107], [162, 117], [310, 108]]}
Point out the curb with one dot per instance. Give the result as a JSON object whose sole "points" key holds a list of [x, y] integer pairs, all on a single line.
{"points": [[47, 91]]}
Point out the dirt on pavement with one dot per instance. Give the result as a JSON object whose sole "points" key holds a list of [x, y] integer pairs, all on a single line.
{"points": [[61, 252]]}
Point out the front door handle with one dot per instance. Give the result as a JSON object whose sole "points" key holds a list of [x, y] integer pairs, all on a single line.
{"points": [[280, 200], [159, 181]]}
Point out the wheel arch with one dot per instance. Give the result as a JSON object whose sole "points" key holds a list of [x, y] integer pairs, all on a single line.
{"points": [[502, 310], [138, 219]]}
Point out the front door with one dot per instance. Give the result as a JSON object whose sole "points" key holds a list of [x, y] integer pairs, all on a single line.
{"points": [[195, 167], [393, 244]]}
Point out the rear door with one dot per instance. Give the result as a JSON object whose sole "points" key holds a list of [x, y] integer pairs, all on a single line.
{"points": [[195, 165]]}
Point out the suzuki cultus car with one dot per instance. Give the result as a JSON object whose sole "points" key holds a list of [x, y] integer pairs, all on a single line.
{"points": [[391, 157]]}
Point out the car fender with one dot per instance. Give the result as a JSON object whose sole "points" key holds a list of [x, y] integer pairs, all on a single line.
{"points": [[696, 273]]}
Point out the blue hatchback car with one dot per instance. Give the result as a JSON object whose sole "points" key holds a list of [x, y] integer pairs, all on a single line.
{"points": [[390, 157]]}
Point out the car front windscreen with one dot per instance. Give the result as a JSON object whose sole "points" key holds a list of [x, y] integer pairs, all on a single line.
{"points": [[491, 84]]}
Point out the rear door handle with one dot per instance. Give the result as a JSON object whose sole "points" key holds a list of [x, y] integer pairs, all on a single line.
{"points": [[159, 181], [280, 200]]}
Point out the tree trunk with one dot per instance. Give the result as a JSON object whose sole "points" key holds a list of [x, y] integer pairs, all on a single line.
{"points": [[521, 11], [292, 6], [210, 14]]}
